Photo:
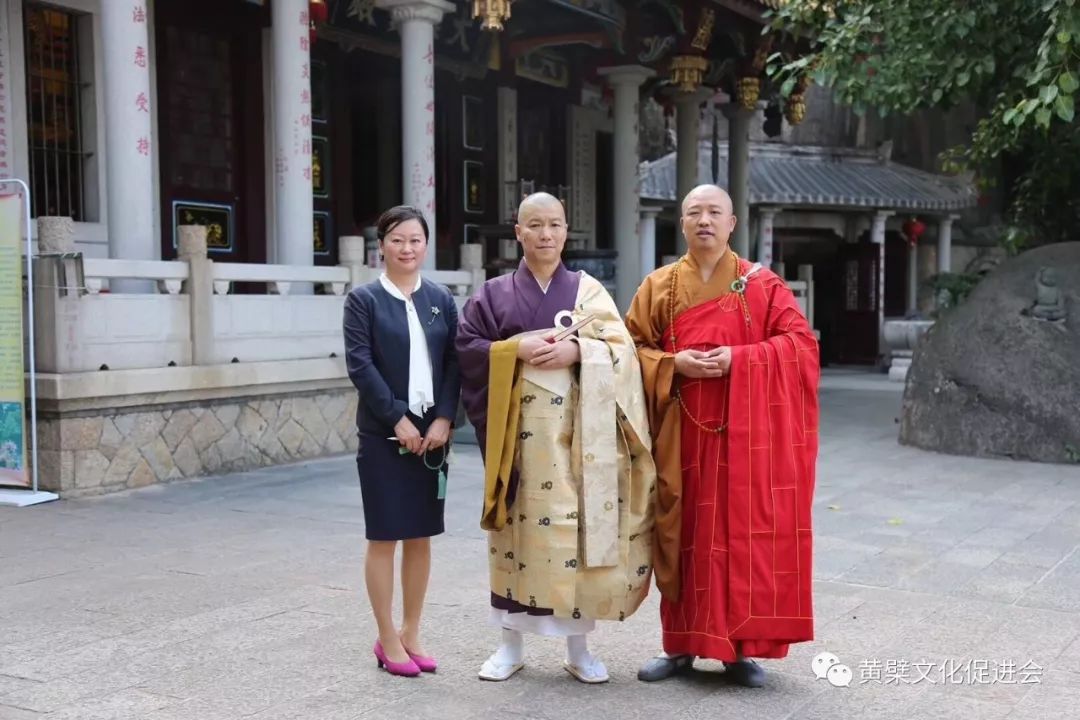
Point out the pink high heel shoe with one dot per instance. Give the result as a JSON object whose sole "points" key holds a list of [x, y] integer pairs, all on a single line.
{"points": [[426, 664], [405, 669]]}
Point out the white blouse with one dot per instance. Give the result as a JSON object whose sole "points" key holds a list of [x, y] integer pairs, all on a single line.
{"points": [[421, 385]]}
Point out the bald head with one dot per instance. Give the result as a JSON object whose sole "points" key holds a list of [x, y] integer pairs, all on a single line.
{"points": [[710, 194], [541, 230], [539, 202], [707, 220]]}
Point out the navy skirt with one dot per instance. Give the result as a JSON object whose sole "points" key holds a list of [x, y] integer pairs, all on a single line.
{"points": [[400, 492]]}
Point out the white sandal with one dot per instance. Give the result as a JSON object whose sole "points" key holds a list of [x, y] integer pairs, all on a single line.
{"points": [[592, 674], [497, 672]]}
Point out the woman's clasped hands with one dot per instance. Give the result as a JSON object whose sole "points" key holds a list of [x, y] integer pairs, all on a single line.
{"points": [[437, 435]]}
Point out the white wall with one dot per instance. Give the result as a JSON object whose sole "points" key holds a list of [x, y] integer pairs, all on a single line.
{"points": [[91, 237]]}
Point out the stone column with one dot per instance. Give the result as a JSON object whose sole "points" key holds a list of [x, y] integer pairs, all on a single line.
{"points": [[766, 217], [55, 235], [647, 239], [129, 138], [739, 174], [200, 290], [913, 279], [687, 143], [927, 270], [415, 21], [626, 81], [352, 253], [944, 244], [877, 236], [294, 242]]}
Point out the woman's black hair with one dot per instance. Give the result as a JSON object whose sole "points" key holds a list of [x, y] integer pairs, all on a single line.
{"points": [[397, 215]]}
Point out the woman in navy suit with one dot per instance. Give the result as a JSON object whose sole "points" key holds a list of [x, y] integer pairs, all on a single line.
{"points": [[399, 343]]}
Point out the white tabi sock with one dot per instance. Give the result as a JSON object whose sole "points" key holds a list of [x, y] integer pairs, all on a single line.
{"points": [[512, 650], [581, 663], [577, 650]]}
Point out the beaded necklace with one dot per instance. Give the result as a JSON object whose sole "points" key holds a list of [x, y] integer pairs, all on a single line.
{"points": [[738, 286]]}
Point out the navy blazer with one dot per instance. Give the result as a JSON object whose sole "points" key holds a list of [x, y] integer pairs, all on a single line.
{"points": [[377, 354]]}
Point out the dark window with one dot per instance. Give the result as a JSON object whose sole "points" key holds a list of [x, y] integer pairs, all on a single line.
{"points": [[56, 85]]}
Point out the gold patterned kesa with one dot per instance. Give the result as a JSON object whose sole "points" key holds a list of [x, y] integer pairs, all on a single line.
{"points": [[578, 535], [687, 71], [492, 13]]}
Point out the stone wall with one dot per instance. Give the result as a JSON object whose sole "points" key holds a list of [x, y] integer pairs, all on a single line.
{"points": [[101, 451]]}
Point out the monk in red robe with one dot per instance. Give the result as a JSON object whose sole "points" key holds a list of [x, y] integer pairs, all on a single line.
{"points": [[730, 367]]}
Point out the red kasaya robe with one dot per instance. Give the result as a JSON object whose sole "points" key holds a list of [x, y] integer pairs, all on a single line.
{"points": [[733, 557]]}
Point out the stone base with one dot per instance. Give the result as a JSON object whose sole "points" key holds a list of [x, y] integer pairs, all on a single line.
{"points": [[901, 363], [92, 446], [25, 498], [898, 371]]}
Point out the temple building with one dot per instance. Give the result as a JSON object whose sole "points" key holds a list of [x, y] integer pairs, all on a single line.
{"points": [[206, 174]]}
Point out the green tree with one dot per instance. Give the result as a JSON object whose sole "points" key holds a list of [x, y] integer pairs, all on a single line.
{"points": [[1017, 60]]}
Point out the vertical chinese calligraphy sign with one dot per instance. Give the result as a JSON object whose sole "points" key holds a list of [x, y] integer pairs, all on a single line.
{"points": [[6, 159], [13, 469]]}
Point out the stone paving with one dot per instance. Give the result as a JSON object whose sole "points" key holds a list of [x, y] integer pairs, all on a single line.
{"points": [[242, 596]]}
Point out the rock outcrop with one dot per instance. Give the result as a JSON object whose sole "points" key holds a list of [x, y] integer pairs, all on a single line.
{"points": [[999, 375]]}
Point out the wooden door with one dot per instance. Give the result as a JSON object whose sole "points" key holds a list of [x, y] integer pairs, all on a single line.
{"points": [[856, 327], [210, 123]]}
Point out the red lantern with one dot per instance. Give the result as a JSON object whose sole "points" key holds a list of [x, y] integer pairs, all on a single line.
{"points": [[318, 10], [913, 230]]}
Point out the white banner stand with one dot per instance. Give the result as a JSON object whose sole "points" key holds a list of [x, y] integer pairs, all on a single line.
{"points": [[20, 497]]}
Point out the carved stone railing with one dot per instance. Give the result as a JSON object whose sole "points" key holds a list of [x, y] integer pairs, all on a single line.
{"points": [[169, 275], [902, 336], [189, 314], [280, 278]]}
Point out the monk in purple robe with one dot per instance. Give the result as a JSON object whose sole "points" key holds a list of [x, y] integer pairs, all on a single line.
{"points": [[566, 492]]}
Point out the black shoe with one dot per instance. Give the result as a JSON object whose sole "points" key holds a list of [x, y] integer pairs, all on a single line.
{"points": [[746, 673], [661, 668]]}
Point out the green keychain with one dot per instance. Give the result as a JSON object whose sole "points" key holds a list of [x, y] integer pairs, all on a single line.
{"points": [[442, 485], [442, 475]]}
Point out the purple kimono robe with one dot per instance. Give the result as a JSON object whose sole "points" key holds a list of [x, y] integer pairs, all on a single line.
{"points": [[501, 308]]}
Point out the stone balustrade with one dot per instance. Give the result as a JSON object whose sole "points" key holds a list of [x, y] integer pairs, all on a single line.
{"points": [[190, 377], [901, 337], [194, 317]]}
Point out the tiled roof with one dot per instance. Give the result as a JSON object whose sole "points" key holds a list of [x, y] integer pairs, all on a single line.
{"points": [[793, 176]]}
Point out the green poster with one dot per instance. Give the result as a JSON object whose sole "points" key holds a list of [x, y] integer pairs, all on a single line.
{"points": [[12, 398]]}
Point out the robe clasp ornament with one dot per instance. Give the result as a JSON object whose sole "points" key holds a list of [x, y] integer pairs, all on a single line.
{"points": [[739, 284], [563, 330]]}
